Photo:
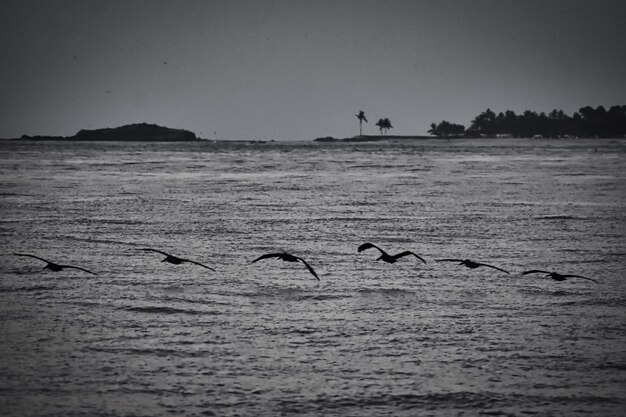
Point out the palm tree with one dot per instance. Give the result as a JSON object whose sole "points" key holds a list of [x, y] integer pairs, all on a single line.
{"points": [[381, 125], [361, 116], [384, 125], [387, 125]]}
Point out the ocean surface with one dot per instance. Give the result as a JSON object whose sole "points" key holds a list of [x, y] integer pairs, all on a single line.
{"points": [[148, 338]]}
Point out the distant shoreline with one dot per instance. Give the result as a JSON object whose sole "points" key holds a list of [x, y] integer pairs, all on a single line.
{"points": [[373, 138], [139, 132], [143, 132], [378, 138]]}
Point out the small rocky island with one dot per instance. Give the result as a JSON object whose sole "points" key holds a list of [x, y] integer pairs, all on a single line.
{"points": [[139, 132]]}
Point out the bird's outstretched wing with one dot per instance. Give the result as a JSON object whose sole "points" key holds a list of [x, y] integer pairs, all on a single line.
{"points": [[197, 263], [494, 267], [579, 276], [268, 255], [535, 271], [448, 260], [368, 245], [78, 267], [408, 252], [31, 256], [155, 250], [309, 268]]}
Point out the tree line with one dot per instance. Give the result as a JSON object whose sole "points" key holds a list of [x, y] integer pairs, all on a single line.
{"points": [[586, 122]]}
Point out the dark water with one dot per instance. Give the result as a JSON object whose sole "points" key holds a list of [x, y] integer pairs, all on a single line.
{"points": [[145, 338]]}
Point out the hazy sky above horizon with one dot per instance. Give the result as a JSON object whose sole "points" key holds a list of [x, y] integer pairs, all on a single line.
{"points": [[301, 69]]}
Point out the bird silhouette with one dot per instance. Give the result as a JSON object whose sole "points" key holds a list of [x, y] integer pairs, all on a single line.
{"points": [[384, 256], [471, 264], [556, 276], [52, 265], [175, 260], [288, 258]]}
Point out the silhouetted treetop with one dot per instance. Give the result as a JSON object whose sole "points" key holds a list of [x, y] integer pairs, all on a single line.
{"points": [[384, 125], [446, 129], [587, 122], [361, 116]]}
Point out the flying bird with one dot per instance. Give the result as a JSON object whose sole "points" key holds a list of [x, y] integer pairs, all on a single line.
{"points": [[288, 258], [384, 256], [472, 264], [54, 266], [175, 260], [556, 276]]}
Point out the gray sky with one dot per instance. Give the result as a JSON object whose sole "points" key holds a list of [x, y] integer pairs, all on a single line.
{"points": [[301, 69]]}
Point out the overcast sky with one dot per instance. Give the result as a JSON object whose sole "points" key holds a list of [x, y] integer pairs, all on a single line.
{"points": [[297, 70]]}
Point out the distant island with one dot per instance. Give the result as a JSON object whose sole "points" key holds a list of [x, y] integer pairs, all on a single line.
{"points": [[139, 132], [587, 122]]}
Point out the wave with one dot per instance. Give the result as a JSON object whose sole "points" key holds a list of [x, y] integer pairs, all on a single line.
{"points": [[483, 401], [374, 166], [583, 261], [177, 299], [612, 366], [166, 310], [560, 217], [304, 331], [346, 218], [151, 351], [28, 289], [606, 302], [322, 297], [290, 293], [386, 291], [91, 240], [84, 303], [543, 291]]}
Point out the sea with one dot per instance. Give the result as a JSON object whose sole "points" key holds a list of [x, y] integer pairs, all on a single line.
{"points": [[142, 337]]}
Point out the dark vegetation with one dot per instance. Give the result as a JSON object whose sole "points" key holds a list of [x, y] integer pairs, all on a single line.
{"points": [[586, 122], [384, 125], [361, 116], [140, 132]]}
